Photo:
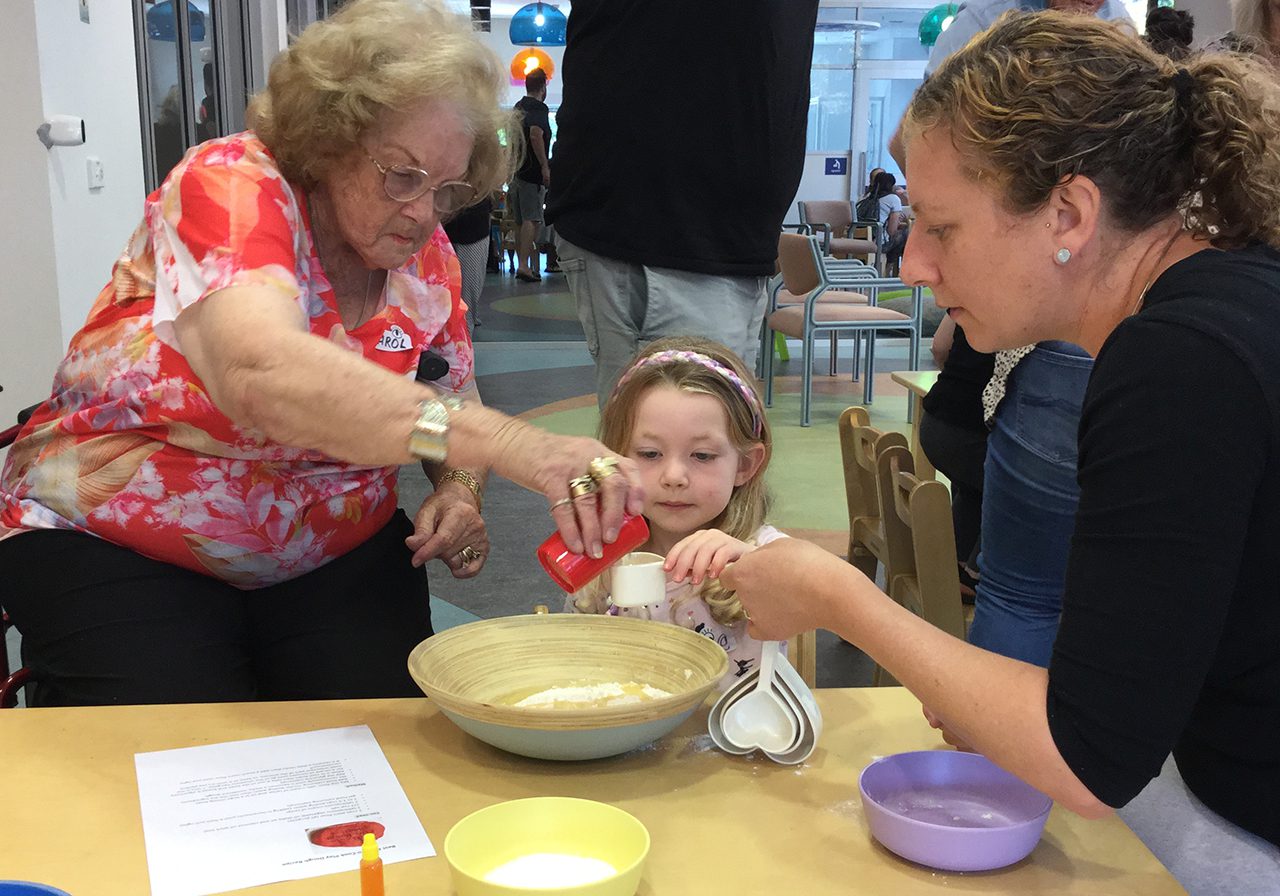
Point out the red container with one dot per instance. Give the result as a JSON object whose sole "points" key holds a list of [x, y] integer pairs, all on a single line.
{"points": [[571, 571]]}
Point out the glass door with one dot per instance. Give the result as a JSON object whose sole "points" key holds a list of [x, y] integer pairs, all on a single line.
{"points": [[192, 76], [881, 94]]}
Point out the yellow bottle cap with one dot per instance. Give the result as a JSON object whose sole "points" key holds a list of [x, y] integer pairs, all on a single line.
{"points": [[369, 848]]}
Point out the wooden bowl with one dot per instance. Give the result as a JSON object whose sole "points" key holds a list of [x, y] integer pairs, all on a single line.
{"points": [[475, 672]]}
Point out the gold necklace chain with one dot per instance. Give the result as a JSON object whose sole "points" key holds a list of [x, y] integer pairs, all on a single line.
{"points": [[361, 320], [1155, 272]]}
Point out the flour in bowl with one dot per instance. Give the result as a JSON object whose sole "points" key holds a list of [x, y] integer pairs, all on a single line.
{"points": [[584, 696]]}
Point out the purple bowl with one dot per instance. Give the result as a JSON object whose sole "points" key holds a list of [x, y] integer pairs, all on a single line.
{"points": [[29, 888], [953, 811]]}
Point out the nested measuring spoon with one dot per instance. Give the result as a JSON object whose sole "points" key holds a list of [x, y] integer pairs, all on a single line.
{"points": [[762, 718]]}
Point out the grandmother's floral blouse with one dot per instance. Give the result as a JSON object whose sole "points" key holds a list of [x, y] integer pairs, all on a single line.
{"points": [[129, 446]]}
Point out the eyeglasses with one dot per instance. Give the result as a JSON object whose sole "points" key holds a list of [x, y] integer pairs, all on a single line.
{"points": [[404, 183]]}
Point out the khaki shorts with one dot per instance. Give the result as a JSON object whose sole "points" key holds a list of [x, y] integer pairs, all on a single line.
{"points": [[526, 200]]}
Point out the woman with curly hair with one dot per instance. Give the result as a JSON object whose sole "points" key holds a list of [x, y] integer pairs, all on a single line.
{"points": [[1129, 206]]}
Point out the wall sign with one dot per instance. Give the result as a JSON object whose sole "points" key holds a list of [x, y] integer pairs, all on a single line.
{"points": [[837, 165]]}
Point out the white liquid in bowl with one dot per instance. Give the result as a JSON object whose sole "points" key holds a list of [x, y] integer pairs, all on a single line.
{"points": [[549, 869]]}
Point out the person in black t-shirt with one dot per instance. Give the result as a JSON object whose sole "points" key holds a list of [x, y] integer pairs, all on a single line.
{"points": [[529, 188], [1075, 185], [679, 148], [953, 435]]}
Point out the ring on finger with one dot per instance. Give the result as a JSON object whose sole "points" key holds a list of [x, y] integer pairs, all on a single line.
{"points": [[602, 467], [469, 555], [581, 485], [561, 503]]}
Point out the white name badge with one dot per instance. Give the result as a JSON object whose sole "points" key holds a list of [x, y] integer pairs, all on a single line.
{"points": [[394, 339]]}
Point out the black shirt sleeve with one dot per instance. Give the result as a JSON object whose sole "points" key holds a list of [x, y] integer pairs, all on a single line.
{"points": [[1173, 445]]}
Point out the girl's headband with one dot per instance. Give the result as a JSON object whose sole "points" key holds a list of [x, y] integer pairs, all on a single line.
{"points": [[654, 360]]}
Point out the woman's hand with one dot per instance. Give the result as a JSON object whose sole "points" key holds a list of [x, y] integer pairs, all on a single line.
{"points": [[704, 554], [790, 586], [447, 523]]}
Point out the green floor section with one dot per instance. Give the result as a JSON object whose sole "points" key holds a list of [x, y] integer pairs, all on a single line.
{"points": [[549, 306], [805, 475]]}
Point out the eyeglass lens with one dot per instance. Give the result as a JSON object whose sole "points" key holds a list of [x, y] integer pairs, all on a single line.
{"points": [[404, 184]]}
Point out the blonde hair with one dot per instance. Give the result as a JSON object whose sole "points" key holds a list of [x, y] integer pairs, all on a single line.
{"points": [[1041, 98], [747, 427], [375, 58], [1249, 23]]}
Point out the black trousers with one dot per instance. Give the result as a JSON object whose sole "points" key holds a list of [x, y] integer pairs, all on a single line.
{"points": [[102, 624], [960, 454]]}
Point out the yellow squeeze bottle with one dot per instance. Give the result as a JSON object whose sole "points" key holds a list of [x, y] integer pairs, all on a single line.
{"points": [[370, 868]]}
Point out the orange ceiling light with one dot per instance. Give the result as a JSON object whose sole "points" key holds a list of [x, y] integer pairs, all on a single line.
{"points": [[527, 60]]}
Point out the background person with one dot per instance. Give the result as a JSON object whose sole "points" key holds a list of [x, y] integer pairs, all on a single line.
{"points": [[687, 412], [528, 191], [205, 509], [675, 165], [1170, 31], [469, 233], [1170, 634]]}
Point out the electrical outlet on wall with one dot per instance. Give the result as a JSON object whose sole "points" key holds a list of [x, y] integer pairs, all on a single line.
{"points": [[97, 177]]}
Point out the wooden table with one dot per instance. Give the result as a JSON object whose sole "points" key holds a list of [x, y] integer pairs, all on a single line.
{"points": [[719, 824], [918, 383]]}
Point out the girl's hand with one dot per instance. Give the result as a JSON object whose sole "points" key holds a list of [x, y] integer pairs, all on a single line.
{"points": [[704, 555]]}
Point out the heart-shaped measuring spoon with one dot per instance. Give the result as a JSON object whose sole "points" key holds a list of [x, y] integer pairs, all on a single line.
{"points": [[762, 718]]}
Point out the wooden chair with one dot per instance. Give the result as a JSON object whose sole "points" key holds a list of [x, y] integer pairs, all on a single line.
{"points": [[805, 277], [860, 446], [920, 544], [802, 652]]}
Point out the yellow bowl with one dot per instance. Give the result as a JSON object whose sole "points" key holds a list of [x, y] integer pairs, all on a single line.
{"points": [[546, 826], [475, 672]]}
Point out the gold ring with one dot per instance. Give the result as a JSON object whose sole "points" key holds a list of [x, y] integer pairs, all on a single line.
{"points": [[581, 485], [602, 467], [469, 555], [561, 503]]}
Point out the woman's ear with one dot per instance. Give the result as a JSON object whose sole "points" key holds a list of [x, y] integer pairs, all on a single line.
{"points": [[1075, 213], [749, 462]]}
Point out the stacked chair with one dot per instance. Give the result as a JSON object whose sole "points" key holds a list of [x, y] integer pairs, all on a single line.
{"points": [[842, 236], [813, 300]]}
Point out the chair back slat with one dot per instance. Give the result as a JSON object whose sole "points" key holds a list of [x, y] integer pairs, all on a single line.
{"points": [[798, 262]]}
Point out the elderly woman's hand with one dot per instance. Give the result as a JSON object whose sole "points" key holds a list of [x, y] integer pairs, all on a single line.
{"points": [[547, 464], [787, 587], [447, 524]]}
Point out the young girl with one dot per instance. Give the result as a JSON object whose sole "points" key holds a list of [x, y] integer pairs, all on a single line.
{"points": [[686, 411]]}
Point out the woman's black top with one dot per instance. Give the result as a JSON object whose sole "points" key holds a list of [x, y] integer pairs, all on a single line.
{"points": [[956, 397], [1170, 633], [471, 225]]}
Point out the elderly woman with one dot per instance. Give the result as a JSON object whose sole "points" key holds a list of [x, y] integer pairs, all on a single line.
{"points": [[1129, 207], [205, 509]]}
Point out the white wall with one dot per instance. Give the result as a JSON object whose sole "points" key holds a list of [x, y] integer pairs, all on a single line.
{"points": [[30, 333], [61, 238], [90, 71]]}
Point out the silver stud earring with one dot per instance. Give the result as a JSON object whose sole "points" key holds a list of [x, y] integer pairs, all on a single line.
{"points": [[1062, 256]]}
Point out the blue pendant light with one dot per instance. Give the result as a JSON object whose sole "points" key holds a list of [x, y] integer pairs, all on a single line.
{"points": [[161, 24], [538, 25], [936, 21]]}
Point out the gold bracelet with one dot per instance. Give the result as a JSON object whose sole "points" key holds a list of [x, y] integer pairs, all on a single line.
{"points": [[469, 480]]}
